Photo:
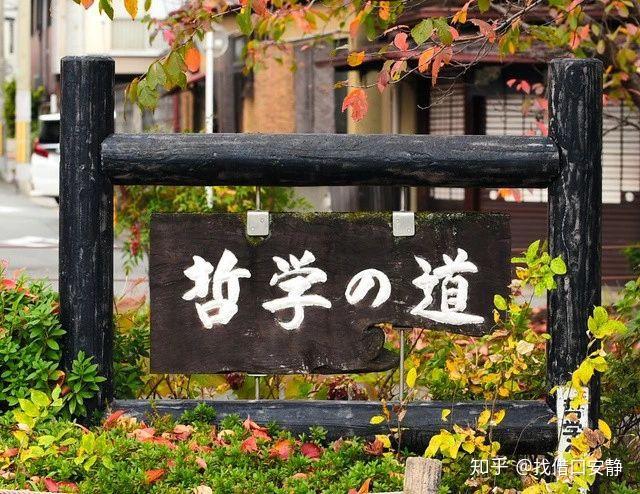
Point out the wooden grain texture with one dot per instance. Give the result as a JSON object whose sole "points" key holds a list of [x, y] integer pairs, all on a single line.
{"points": [[422, 475], [338, 339], [86, 215], [330, 159], [525, 428], [575, 198]]}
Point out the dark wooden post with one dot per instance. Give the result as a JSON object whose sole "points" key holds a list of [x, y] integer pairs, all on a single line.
{"points": [[575, 197], [86, 215]]}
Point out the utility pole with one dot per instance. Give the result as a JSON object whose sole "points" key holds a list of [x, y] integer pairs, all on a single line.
{"points": [[23, 96]]}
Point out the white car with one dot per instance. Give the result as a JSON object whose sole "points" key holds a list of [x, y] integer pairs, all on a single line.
{"points": [[45, 159]]}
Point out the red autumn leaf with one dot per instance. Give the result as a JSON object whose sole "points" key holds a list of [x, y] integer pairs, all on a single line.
{"points": [[259, 6], [171, 463], [143, 434], [425, 59], [162, 441], [250, 425], [374, 448], [282, 449], [364, 488], [87, 3], [182, 432], [485, 29], [192, 59], [51, 485], [357, 101], [260, 434], [400, 40], [169, 36], [441, 59], [454, 33], [201, 463], [383, 80], [353, 27], [112, 419], [68, 486], [311, 450], [151, 476], [10, 453], [249, 445], [524, 86]]}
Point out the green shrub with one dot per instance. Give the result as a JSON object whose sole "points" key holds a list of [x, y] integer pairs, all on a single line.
{"points": [[30, 339], [125, 455]]}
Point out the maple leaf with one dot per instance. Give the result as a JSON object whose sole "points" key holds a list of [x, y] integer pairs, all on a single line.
{"points": [[357, 101], [151, 476], [400, 41], [249, 445], [282, 449], [192, 59], [112, 419], [311, 450]]}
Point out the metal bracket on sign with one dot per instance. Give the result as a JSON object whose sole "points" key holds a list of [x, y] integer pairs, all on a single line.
{"points": [[404, 224], [258, 221]]}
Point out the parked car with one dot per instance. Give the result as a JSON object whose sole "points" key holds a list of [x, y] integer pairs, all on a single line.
{"points": [[45, 159]]}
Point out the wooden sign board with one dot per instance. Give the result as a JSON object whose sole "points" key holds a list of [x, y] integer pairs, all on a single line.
{"points": [[306, 298]]}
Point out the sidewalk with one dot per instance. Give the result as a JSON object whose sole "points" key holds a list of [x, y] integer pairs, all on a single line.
{"points": [[29, 238]]}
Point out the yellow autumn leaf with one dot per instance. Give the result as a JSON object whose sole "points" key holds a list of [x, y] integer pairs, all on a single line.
{"points": [[434, 446], [497, 417], [376, 419], [604, 428], [412, 375], [384, 439], [445, 413], [524, 347], [355, 58], [484, 417], [132, 7]]}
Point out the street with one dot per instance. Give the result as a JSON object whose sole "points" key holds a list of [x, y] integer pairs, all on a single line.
{"points": [[29, 238]]}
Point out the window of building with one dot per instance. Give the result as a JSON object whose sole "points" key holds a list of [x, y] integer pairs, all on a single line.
{"points": [[446, 117], [127, 34], [505, 116], [620, 154]]}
